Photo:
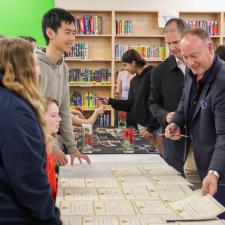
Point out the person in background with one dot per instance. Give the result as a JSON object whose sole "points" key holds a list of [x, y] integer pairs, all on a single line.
{"points": [[137, 102], [202, 112], [220, 51], [123, 84], [53, 120], [30, 39], [59, 32], [166, 90], [78, 118], [25, 196]]}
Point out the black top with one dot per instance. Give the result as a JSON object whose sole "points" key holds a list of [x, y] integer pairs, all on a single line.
{"points": [[166, 89], [137, 102]]}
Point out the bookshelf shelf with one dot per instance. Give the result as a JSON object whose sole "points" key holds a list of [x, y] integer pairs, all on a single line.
{"points": [[125, 29]]}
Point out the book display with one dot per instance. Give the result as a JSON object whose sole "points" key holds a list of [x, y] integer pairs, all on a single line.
{"points": [[102, 36]]}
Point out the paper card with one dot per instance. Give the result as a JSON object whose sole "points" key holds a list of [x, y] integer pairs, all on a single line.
{"points": [[71, 220], [164, 16], [157, 169], [169, 193], [80, 194], [140, 220], [100, 220], [212, 222], [169, 180], [197, 207], [76, 208], [71, 182], [139, 193], [154, 206], [101, 182], [111, 208], [134, 181], [125, 171], [110, 193]]}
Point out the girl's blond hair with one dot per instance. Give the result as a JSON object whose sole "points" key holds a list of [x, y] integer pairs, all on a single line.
{"points": [[18, 65]]}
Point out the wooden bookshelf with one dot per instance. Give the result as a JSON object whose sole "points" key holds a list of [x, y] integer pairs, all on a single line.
{"points": [[143, 31]]}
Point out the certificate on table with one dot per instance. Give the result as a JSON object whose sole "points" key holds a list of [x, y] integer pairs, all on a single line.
{"points": [[212, 222], [100, 220], [102, 182], [110, 194], [169, 180], [159, 169], [113, 208], [197, 207], [71, 182], [71, 220], [140, 193], [154, 206], [80, 194], [134, 181], [140, 220], [76, 208], [169, 193], [126, 171]]}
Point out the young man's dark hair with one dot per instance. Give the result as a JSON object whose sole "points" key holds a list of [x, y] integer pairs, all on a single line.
{"points": [[181, 25], [131, 55], [28, 38], [53, 19]]}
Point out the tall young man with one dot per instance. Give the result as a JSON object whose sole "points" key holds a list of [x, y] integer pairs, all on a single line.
{"points": [[58, 30]]}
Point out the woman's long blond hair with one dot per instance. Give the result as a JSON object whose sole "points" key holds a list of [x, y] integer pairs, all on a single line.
{"points": [[18, 65]]}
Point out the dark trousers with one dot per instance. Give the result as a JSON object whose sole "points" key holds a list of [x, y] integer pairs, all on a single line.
{"points": [[174, 153]]}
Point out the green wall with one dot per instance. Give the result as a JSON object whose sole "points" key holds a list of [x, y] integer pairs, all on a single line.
{"points": [[23, 17]]}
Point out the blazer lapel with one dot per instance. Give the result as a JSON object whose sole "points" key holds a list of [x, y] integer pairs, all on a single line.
{"points": [[187, 99]]}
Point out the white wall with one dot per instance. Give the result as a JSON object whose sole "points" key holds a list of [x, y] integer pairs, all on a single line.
{"points": [[151, 5]]}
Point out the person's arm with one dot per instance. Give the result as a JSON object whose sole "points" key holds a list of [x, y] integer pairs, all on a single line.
{"points": [[119, 85], [23, 156], [91, 120], [77, 113], [156, 99]]}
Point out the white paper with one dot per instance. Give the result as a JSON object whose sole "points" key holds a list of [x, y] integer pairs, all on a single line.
{"points": [[125, 171], [111, 208], [100, 220], [71, 220], [76, 208], [164, 16], [101, 182], [140, 220], [169, 180], [135, 181], [71, 182], [139, 193], [196, 207], [212, 222], [80, 194], [154, 206], [110, 193]]}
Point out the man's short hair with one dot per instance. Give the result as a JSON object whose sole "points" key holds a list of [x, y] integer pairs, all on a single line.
{"points": [[198, 32], [180, 23], [53, 19]]}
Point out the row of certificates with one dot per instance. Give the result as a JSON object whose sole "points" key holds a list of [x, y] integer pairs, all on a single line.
{"points": [[135, 195]]}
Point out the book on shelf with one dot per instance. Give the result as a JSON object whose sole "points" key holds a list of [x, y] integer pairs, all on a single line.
{"points": [[90, 76], [88, 24], [103, 120], [78, 51], [153, 52], [212, 27], [123, 27]]}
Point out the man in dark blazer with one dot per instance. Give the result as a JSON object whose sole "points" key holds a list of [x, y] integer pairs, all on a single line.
{"points": [[166, 90], [202, 109]]}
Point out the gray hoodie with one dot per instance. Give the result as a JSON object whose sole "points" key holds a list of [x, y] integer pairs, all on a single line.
{"points": [[53, 83]]}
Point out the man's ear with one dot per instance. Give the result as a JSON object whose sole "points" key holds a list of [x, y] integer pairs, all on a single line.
{"points": [[210, 47], [50, 33]]}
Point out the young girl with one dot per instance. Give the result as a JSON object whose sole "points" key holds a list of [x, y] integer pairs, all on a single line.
{"points": [[53, 119]]}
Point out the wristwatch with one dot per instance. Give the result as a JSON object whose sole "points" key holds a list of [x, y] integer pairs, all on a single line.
{"points": [[214, 172]]}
